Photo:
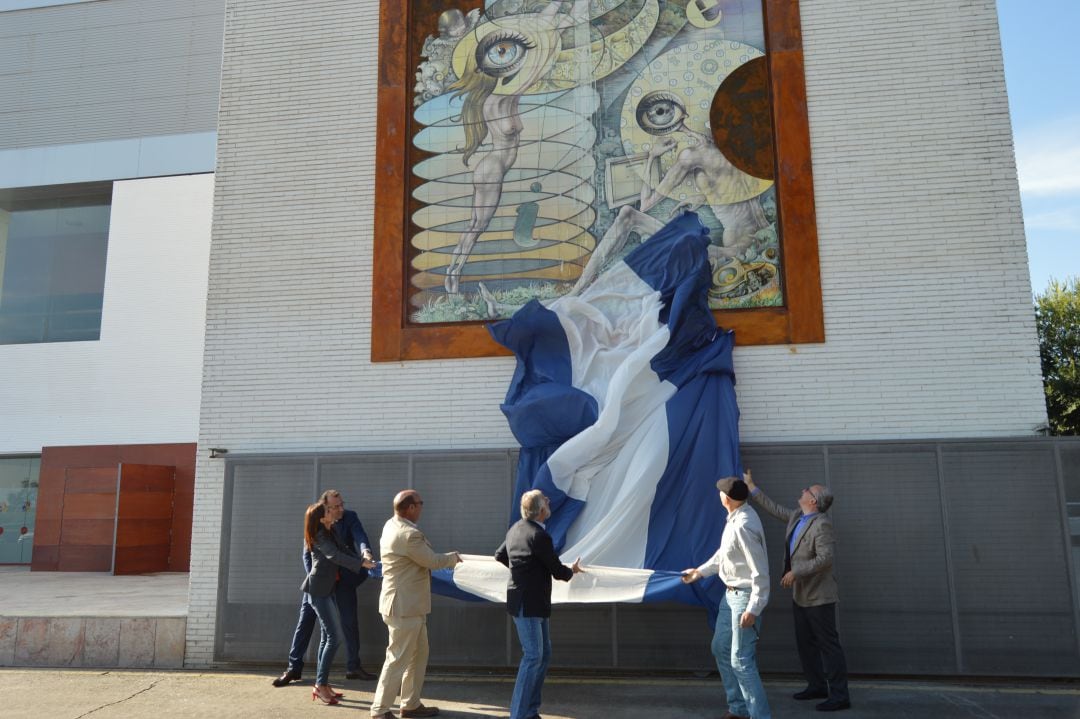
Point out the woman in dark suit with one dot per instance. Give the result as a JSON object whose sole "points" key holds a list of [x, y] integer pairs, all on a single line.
{"points": [[530, 554], [327, 555]]}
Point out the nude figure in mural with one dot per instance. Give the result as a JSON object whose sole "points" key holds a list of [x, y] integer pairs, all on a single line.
{"points": [[715, 178], [519, 54], [712, 174]]}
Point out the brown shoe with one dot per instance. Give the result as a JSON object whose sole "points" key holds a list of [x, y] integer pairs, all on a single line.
{"points": [[419, 711], [384, 715], [729, 715]]}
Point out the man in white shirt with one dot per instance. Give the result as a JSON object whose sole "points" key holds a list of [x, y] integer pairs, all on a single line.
{"points": [[743, 566]]}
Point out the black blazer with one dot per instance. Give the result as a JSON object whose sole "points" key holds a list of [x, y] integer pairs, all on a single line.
{"points": [[530, 555], [326, 557]]}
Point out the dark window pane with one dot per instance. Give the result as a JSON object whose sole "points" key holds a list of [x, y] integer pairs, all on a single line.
{"points": [[53, 244]]}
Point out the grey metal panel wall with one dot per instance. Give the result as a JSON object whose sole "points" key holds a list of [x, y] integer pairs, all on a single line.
{"points": [[1013, 596], [954, 558], [108, 70], [262, 553], [896, 614]]}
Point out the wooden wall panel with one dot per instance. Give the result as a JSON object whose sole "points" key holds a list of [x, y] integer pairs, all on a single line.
{"points": [[92, 469], [88, 519], [144, 518], [85, 558]]}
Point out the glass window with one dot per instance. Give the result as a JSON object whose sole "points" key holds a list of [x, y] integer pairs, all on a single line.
{"points": [[18, 507], [53, 242]]}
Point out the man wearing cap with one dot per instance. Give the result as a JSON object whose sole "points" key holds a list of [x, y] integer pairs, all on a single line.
{"points": [[808, 568], [743, 566]]}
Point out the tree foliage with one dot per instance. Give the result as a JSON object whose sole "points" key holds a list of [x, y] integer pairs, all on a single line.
{"points": [[1057, 315]]}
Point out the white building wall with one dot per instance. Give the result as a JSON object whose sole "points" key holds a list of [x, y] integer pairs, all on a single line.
{"points": [[140, 382], [929, 326]]}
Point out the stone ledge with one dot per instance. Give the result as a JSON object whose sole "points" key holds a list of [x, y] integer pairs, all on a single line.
{"points": [[105, 642]]}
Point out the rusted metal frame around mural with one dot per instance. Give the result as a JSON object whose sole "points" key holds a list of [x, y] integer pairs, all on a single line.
{"points": [[800, 320]]}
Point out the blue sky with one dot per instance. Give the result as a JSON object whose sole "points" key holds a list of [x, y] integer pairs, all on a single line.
{"points": [[1042, 70]]}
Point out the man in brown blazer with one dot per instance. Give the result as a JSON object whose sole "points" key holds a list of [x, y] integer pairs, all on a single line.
{"points": [[404, 603], [808, 568]]}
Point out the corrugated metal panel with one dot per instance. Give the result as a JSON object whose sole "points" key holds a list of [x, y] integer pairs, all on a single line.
{"points": [[996, 550], [1012, 591]]}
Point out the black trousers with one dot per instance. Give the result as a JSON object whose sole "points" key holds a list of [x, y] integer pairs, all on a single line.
{"points": [[820, 652]]}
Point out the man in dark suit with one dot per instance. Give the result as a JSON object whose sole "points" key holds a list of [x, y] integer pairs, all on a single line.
{"points": [[350, 533], [808, 568], [530, 554]]}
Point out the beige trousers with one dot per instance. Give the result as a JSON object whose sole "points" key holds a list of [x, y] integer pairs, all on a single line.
{"points": [[405, 665]]}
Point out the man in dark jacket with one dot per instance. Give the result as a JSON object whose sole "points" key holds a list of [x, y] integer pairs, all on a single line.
{"points": [[350, 533], [530, 554]]}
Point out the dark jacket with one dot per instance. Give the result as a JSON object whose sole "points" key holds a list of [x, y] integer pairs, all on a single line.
{"points": [[326, 557], [350, 534], [530, 555]]}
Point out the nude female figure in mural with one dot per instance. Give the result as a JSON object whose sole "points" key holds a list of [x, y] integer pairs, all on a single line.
{"points": [[716, 179], [713, 175], [518, 52]]}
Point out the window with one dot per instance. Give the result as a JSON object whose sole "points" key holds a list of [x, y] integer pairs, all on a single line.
{"points": [[18, 507], [53, 243]]}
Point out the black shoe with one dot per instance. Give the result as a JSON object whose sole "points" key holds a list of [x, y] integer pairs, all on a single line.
{"points": [[833, 705], [809, 693], [290, 675], [360, 673]]}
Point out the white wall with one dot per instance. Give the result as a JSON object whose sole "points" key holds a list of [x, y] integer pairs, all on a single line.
{"points": [[929, 326], [140, 383]]}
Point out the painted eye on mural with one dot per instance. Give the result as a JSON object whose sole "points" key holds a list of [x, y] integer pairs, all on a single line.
{"points": [[659, 113], [502, 53]]}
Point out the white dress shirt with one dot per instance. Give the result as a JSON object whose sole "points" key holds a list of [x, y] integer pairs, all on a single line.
{"points": [[742, 561]]}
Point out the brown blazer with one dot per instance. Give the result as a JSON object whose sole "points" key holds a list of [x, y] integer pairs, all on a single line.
{"points": [[812, 560], [407, 561]]}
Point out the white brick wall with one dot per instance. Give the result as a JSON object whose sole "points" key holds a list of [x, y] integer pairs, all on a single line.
{"points": [[140, 382], [928, 315]]}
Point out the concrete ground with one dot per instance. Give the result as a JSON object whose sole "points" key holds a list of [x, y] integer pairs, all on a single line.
{"points": [[92, 594], [78, 693]]}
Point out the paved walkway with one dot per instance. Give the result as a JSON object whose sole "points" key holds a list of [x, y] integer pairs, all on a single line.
{"points": [[77, 694], [92, 594]]}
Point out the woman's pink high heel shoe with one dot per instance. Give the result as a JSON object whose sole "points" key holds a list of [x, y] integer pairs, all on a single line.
{"points": [[316, 695]]}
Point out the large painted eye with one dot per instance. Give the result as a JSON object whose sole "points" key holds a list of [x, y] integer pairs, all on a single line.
{"points": [[502, 53], [659, 113]]}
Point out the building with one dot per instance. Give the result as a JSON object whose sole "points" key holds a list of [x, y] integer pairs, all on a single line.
{"points": [[920, 408]]}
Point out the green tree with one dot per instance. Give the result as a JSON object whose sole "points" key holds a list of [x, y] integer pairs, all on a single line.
{"points": [[1057, 316]]}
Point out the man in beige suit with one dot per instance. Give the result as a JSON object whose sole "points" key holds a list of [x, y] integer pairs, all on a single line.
{"points": [[405, 602], [808, 568]]}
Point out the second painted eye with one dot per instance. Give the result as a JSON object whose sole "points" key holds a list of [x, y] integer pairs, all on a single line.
{"points": [[659, 113], [502, 53]]}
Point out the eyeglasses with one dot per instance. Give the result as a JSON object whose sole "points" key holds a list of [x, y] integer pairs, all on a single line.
{"points": [[812, 495]]}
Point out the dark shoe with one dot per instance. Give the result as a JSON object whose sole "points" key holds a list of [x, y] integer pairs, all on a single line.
{"points": [[833, 706], [384, 715], [810, 694], [729, 715], [290, 675], [360, 673], [419, 711]]}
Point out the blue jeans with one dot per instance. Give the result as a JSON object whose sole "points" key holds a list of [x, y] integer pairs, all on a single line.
{"points": [[326, 610], [535, 657], [345, 593], [735, 651]]}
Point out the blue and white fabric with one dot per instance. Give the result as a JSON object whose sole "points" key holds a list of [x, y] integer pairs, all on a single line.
{"points": [[623, 401]]}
